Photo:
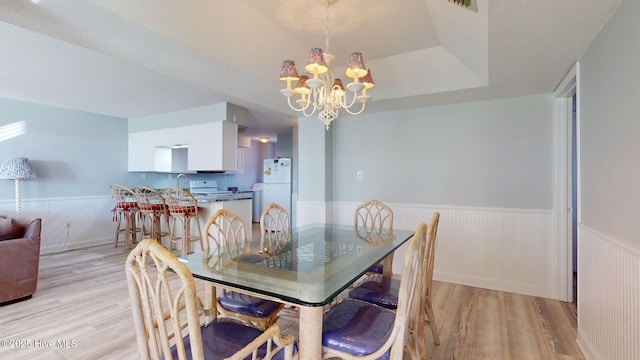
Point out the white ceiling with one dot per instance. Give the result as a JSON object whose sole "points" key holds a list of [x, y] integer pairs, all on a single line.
{"points": [[131, 58]]}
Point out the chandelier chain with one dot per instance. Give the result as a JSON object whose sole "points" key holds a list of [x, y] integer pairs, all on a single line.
{"points": [[326, 28]]}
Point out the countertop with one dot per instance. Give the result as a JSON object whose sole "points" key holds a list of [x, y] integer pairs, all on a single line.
{"points": [[225, 197]]}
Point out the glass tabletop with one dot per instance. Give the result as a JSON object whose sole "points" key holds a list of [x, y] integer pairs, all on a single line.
{"points": [[308, 267]]}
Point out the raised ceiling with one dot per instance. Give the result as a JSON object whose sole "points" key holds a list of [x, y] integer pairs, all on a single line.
{"points": [[131, 58]]}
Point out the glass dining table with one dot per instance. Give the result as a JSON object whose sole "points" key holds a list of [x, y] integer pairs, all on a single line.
{"points": [[307, 268]]}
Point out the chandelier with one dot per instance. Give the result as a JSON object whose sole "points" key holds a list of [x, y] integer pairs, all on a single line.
{"points": [[324, 93]]}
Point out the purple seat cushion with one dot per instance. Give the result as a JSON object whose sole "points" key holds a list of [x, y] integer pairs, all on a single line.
{"points": [[247, 304], [377, 268], [357, 327], [10, 228], [382, 291], [224, 337]]}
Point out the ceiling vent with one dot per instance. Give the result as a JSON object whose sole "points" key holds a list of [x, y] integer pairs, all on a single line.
{"points": [[469, 4]]}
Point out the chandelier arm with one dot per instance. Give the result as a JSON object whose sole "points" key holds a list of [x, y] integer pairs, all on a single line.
{"points": [[312, 111], [355, 113], [303, 109], [312, 104], [343, 100], [293, 107]]}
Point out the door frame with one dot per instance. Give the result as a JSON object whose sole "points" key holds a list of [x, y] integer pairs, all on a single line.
{"points": [[563, 94]]}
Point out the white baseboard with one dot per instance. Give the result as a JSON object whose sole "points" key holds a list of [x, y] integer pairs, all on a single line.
{"points": [[585, 346]]}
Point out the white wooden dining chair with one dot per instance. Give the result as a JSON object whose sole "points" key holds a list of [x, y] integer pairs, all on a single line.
{"points": [[423, 311], [169, 317], [355, 329], [373, 221], [275, 228], [383, 291], [227, 230]]}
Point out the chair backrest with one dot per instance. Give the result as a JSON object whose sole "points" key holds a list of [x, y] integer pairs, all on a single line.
{"points": [[122, 193], [408, 297], [180, 201], [165, 309], [429, 255], [149, 199], [415, 341], [225, 229], [373, 220], [275, 228], [408, 294]]}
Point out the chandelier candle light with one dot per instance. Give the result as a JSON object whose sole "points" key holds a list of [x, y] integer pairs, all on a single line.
{"points": [[323, 92]]}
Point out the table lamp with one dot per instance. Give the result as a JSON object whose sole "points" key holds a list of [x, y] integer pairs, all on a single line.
{"points": [[16, 168]]}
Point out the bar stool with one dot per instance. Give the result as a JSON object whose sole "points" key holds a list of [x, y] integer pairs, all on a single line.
{"points": [[125, 207], [183, 207], [152, 207]]}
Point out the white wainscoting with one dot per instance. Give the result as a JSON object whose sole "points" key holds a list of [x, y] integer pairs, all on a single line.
{"points": [[608, 297], [309, 212], [502, 249], [90, 220]]}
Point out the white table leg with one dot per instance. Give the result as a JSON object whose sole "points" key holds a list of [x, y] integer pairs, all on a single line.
{"points": [[310, 336]]}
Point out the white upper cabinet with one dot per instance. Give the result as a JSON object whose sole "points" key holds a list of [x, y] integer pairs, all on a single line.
{"points": [[208, 147], [206, 135], [142, 151], [213, 147]]}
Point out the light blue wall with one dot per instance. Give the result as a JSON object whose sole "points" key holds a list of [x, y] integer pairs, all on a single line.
{"points": [[76, 153], [488, 154], [73, 153], [610, 128], [284, 146], [315, 161]]}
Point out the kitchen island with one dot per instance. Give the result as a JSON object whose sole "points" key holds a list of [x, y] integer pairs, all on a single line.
{"points": [[238, 203], [211, 199]]}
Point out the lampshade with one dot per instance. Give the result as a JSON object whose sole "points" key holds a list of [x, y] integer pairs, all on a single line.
{"points": [[338, 83], [16, 168], [288, 70], [356, 67], [367, 80], [302, 87], [315, 62]]}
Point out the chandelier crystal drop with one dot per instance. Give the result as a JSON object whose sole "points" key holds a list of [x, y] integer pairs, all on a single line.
{"points": [[323, 92]]}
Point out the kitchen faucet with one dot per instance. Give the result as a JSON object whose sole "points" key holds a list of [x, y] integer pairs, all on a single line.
{"points": [[178, 180]]}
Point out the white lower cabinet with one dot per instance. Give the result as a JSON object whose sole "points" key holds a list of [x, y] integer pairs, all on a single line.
{"points": [[242, 208], [206, 210]]}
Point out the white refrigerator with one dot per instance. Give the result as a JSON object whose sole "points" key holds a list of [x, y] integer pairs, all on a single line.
{"points": [[277, 183]]}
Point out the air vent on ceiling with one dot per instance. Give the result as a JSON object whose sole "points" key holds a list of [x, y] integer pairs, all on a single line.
{"points": [[469, 4]]}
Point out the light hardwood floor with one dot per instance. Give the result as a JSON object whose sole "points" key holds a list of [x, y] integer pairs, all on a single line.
{"points": [[81, 310]]}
